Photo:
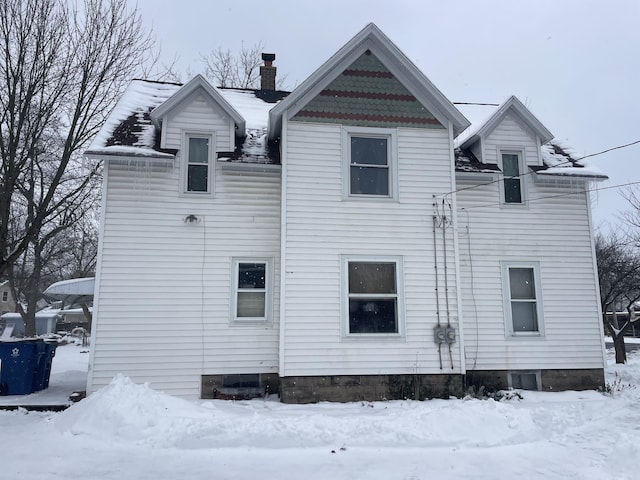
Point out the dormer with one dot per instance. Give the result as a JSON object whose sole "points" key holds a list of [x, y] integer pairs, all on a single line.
{"points": [[198, 100]]}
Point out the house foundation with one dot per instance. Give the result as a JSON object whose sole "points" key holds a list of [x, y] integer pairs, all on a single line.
{"points": [[351, 388], [551, 380]]}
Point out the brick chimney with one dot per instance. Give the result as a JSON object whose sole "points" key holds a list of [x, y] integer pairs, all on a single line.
{"points": [[268, 72]]}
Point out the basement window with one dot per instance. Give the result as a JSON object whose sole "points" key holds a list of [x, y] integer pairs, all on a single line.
{"points": [[524, 380]]}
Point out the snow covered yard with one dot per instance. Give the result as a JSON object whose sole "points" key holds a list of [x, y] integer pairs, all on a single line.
{"points": [[127, 431]]}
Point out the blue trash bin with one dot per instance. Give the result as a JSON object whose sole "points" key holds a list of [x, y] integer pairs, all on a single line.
{"points": [[46, 351], [19, 367]]}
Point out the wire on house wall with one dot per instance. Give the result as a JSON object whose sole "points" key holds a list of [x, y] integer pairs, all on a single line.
{"points": [[546, 197], [471, 187], [473, 290]]}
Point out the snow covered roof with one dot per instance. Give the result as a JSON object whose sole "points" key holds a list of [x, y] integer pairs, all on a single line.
{"points": [[556, 159], [75, 286], [254, 108], [132, 130], [129, 130], [71, 292]]}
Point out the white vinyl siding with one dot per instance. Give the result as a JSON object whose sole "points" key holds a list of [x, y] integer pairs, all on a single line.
{"points": [[165, 291], [198, 113], [322, 228], [553, 231]]}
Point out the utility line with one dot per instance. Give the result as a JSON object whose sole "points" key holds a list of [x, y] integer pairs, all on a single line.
{"points": [[524, 174], [598, 189]]}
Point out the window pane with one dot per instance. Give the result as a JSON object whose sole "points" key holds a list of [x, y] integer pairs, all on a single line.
{"points": [[251, 275], [372, 277], [373, 316], [522, 284], [251, 304], [197, 178], [524, 381], [510, 165], [369, 181], [524, 317], [198, 150], [369, 151], [512, 190]]}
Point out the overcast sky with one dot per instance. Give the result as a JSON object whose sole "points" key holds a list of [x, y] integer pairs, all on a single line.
{"points": [[574, 63]]}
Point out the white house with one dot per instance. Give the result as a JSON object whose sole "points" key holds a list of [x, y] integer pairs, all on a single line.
{"points": [[349, 240]]}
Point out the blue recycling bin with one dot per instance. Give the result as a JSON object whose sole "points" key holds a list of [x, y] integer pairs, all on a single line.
{"points": [[46, 351], [19, 367]]}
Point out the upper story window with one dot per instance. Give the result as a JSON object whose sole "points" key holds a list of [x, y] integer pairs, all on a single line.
{"points": [[522, 298], [512, 171], [5, 296], [373, 296], [199, 164], [251, 290], [370, 162]]}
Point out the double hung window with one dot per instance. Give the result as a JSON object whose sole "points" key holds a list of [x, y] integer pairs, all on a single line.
{"points": [[251, 290], [511, 169], [522, 299], [370, 162], [199, 164], [373, 297]]}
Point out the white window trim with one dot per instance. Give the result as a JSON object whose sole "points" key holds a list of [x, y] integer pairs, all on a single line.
{"points": [[526, 372], [185, 161], [506, 294], [5, 296], [523, 183], [371, 132], [344, 289], [268, 297]]}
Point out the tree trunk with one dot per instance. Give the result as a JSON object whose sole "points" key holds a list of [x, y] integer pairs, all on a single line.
{"points": [[621, 350]]}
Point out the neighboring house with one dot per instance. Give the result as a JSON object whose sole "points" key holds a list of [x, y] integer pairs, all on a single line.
{"points": [[347, 241], [7, 303], [46, 321]]}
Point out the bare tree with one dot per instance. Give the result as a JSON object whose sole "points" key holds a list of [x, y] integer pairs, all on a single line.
{"points": [[242, 70], [619, 276], [61, 69]]}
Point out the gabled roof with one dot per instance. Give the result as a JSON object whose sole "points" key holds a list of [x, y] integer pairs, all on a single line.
{"points": [[370, 38], [199, 82], [514, 106]]}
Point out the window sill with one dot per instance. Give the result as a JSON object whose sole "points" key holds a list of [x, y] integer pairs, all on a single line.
{"points": [[368, 337], [368, 198], [250, 323], [525, 336]]}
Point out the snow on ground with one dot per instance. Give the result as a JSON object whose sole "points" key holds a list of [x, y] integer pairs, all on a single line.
{"points": [[128, 431]]}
